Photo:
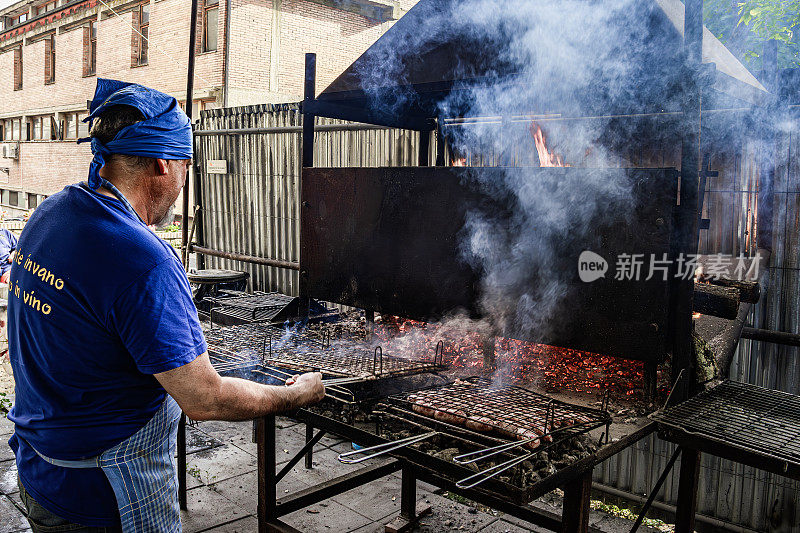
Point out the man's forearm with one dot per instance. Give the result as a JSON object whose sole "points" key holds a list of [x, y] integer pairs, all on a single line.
{"points": [[240, 399]]}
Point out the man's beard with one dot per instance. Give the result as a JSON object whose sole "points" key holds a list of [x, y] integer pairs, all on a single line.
{"points": [[167, 219]]}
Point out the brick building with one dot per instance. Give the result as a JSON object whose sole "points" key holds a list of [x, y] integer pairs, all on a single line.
{"points": [[247, 52]]}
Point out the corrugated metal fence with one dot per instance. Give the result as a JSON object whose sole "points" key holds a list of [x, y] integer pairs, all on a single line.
{"points": [[254, 207]]}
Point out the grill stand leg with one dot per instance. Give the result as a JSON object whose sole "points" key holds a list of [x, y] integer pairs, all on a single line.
{"points": [[182, 463], [410, 511], [310, 454], [687, 491], [575, 516], [267, 482]]}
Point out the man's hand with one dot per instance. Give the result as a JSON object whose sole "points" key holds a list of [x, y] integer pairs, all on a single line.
{"points": [[11, 256], [310, 384], [204, 395]]}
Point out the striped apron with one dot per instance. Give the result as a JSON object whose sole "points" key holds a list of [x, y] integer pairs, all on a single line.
{"points": [[141, 470]]}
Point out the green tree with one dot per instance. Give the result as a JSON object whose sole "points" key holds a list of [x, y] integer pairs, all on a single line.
{"points": [[745, 25]]}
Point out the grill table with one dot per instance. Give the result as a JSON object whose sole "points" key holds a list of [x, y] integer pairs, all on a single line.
{"points": [[744, 423], [414, 464]]}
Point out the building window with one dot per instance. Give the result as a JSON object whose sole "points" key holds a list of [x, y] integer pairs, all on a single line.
{"points": [[210, 23], [33, 201], [11, 129], [50, 59], [18, 68], [42, 128], [141, 32], [83, 127], [13, 198], [44, 8], [21, 18], [35, 128], [90, 49]]}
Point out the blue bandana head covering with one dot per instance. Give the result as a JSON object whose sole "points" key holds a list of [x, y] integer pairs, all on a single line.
{"points": [[165, 132]]}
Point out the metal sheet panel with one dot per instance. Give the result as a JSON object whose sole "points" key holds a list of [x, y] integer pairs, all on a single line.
{"points": [[392, 239]]}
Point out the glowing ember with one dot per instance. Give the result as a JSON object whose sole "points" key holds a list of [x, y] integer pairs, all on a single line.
{"points": [[549, 368]]}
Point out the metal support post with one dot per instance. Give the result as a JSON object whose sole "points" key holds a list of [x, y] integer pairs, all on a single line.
{"points": [[687, 219], [575, 516], [309, 95], [410, 511], [267, 481], [309, 438], [181, 445], [687, 491], [189, 99], [489, 360]]}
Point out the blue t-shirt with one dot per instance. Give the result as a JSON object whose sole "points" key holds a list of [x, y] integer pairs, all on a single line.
{"points": [[97, 305]]}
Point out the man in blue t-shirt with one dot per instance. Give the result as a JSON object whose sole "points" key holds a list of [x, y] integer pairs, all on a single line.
{"points": [[8, 243], [103, 334]]}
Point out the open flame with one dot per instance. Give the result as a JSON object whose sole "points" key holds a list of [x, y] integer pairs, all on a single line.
{"points": [[547, 157]]}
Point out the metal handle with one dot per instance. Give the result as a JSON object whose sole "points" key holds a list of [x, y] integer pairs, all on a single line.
{"points": [[331, 389], [480, 455], [383, 449], [438, 354], [489, 473]]}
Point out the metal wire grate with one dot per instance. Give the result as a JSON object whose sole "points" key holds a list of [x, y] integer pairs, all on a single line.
{"points": [[305, 350], [745, 416], [509, 410], [256, 307]]}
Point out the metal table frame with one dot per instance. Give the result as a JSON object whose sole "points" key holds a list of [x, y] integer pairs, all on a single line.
{"points": [[576, 480]]}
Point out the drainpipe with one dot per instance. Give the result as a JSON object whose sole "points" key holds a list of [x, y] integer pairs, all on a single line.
{"points": [[226, 61]]}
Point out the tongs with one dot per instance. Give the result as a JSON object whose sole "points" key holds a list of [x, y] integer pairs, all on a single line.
{"points": [[384, 448], [331, 388]]}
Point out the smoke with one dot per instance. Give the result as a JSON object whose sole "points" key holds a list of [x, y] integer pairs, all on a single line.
{"points": [[520, 61], [573, 57]]}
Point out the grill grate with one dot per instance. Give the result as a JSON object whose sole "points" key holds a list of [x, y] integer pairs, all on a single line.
{"points": [[234, 347], [509, 410], [256, 307], [741, 415]]}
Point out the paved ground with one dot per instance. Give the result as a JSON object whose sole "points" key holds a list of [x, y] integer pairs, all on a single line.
{"points": [[222, 490]]}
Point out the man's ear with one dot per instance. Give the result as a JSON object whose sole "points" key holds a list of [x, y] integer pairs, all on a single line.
{"points": [[162, 167]]}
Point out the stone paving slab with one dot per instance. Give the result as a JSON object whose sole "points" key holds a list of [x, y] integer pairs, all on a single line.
{"points": [[447, 515], [6, 454], [218, 464], [242, 489], [8, 477], [245, 525], [377, 499], [237, 433], [208, 509], [326, 516], [12, 520], [6, 428], [501, 526]]}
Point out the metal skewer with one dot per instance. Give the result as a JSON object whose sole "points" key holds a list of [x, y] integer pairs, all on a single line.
{"points": [[495, 470], [384, 448]]}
